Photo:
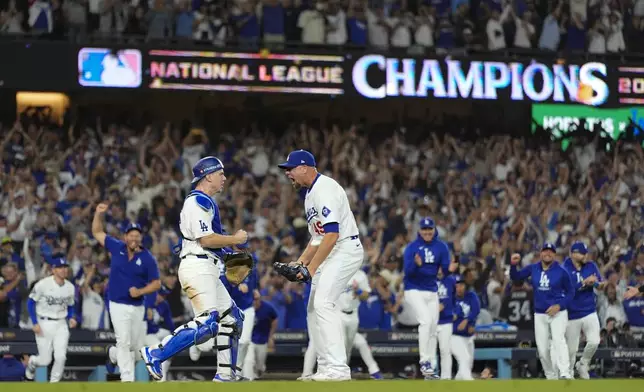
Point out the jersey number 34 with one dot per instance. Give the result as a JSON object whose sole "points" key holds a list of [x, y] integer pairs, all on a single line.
{"points": [[317, 227]]}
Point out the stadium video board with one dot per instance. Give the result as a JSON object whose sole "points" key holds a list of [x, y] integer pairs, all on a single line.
{"points": [[563, 120]]}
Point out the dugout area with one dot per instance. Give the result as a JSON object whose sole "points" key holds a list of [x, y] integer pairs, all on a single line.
{"points": [[346, 386]]}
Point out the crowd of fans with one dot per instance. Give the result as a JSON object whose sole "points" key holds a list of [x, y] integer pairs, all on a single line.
{"points": [[596, 26], [489, 199]]}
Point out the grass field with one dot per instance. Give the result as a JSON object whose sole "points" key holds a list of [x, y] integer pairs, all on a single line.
{"points": [[350, 386]]}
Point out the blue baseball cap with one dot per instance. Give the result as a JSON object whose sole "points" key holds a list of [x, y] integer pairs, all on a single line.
{"points": [[458, 278], [133, 226], [205, 166], [298, 158], [549, 246], [58, 262], [164, 290], [579, 247], [427, 223]]}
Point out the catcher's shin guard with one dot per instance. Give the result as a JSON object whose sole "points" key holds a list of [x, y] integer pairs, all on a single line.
{"points": [[195, 332], [230, 328]]}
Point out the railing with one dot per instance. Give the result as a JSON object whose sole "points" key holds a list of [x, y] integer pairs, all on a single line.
{"points": [[174, 42]]}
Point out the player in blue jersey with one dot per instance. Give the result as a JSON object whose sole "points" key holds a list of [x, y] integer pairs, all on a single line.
{"points": [[582, 310], [421, 261], [553, 291], [261, 340], [466, 309], [446, 288]]}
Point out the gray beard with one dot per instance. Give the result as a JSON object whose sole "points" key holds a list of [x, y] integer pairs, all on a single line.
{"points": [[296, 186]]}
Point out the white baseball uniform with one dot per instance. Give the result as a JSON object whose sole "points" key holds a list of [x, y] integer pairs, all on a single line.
{"points": [[52, 302], [326, 202], [199, 272]]}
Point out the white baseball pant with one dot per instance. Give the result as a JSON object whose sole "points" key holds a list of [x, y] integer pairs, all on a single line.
{"points": [[590, 326], [444, 337], [255, 362], [199, 279], [325, 327], [352, 339], [463, 351], [247, 333], [552, 330], [425, 305], [53, 340], [129, 329], [359, 342]]}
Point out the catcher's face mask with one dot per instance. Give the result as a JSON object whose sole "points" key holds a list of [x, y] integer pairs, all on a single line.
{"points": [[238, 266]]}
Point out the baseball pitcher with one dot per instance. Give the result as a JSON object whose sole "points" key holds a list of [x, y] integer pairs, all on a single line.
{"points": [[582, 310], [201, 248], [553, 291], [422, 259], [332, 257], [51, 309]]}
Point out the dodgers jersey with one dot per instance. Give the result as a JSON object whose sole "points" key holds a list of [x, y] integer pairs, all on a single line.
{"points": [[446, 292], [349, 301], [52, 300], [551, 287], [199, 217], [584, 302], [326, 202]]}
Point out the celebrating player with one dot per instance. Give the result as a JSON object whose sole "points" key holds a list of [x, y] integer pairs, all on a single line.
{"points": [[466, 310], [216, 315], [332, 257], [446, 287], [553, 291], [133, 274], [51, 309], [265, 317], [582, 310], [421, 261]]}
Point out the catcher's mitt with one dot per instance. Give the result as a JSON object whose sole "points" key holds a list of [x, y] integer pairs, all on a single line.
{"points": [[290, 271], [238, 266]]}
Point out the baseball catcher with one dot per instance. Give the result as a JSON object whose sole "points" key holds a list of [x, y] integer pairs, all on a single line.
{"points": [[294, 272]]}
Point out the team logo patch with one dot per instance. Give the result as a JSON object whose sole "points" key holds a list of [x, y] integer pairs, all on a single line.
{"points": [[325, 212], [311, 213]]}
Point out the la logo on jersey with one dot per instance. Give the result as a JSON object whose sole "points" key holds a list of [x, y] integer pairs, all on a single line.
{"points": [[465, 307], [442, 290], [429, 256], [544, 282], [138, 262]]}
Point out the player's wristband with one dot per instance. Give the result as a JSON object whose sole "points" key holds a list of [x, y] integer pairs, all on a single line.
{"points": [[359, 292]]}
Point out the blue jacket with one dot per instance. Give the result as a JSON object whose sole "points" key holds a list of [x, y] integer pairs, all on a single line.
{"points": [[551, 287], [466, 308], [434, 254], [584, 302], [446, 293]]}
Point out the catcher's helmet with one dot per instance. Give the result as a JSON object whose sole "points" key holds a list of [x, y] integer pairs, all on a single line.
{"points": [[204, 167]]}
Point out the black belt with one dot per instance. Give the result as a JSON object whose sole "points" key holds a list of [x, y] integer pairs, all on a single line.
{"points": [[347, 312], [50, 319], [197, 256]]}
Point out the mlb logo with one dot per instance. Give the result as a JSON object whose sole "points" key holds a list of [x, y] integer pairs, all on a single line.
{"points": [[102, 67], [325, 212]]}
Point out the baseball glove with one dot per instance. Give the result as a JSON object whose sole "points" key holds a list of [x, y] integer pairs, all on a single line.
{"points": [[290, 271], [238, 266]]}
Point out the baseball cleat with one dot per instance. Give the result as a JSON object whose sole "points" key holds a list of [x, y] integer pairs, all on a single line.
{"points": [[331, 376], [152, 364], [376, 376], [30, 370], [582, 369], [308, 377], [109, 365], [220, 378]]}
